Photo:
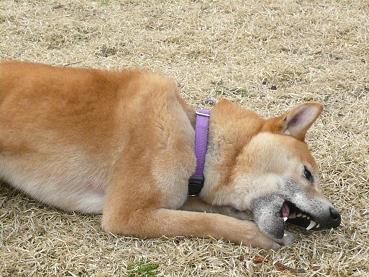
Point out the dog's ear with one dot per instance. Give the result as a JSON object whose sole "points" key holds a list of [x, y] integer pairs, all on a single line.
{"points": [[297, 121]]}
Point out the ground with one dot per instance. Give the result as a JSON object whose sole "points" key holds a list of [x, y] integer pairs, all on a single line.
{"points": [[265, 55]]}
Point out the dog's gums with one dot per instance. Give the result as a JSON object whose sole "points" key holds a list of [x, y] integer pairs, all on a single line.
{"points": [[305, 220], [292, 214]]}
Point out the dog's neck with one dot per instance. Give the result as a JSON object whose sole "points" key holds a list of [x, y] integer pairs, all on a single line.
{"points": [[226, 141]]}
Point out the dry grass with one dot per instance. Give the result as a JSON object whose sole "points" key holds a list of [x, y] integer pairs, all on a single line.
{"points": [[267, 55]]}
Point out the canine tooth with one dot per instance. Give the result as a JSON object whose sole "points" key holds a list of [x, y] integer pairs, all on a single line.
{"points": [[311, 225], [298, 215], [308, 217], [317, 226], [285, 218], [303, 215]]}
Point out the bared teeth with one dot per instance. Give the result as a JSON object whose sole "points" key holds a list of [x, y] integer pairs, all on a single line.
{"points": [[317, 226], [285, 218], [299, 215], [311, 225]]}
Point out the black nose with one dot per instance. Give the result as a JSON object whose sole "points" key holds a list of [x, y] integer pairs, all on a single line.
{"points": [[335, 216]]}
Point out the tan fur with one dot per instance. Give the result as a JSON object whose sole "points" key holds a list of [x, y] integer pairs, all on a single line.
{"points": [[122, 142]]}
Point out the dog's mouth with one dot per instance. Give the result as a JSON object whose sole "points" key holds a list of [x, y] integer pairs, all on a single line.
{"points": [[272, 212], [293, 215]]}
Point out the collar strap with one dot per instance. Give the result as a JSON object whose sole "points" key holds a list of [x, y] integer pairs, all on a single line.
{"points": [[196, 181]]}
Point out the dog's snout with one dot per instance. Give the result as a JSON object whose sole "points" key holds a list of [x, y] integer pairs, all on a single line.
{"points": [[335, 217]]}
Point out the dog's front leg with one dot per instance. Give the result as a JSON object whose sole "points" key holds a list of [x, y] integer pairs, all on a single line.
{"points": [[170, 223], [138, 213]]}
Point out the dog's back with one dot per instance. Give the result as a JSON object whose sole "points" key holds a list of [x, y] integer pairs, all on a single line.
{"points": [[63, 129]]}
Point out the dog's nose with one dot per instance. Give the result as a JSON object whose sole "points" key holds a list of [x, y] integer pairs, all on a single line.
{"points": [[335, 217]]}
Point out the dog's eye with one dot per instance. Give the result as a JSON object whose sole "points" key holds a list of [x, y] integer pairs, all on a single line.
{"points": [[308, 175]]}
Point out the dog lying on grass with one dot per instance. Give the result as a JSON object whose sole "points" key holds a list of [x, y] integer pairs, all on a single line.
{"points": [[122, 144]]}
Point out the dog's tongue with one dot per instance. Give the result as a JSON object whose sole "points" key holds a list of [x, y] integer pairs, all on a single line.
{"points": [[285, 211]]}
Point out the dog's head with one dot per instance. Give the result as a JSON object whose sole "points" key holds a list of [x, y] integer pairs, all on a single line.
{"points": [[275, 176], [288, 173]]}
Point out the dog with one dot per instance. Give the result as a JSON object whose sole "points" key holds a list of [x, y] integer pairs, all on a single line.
{"points": [[121, 143]]}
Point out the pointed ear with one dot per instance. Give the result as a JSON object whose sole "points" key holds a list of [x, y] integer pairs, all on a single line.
{"points": [[297, 121]]}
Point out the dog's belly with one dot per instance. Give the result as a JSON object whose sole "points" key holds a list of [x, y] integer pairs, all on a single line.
{"points": [[66, 184]]}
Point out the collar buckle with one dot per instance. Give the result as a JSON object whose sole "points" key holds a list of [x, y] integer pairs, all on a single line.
{"points": [[195, 185]]}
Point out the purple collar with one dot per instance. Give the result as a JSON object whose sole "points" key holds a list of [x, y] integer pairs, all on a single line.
{"points": [[196, 181]]}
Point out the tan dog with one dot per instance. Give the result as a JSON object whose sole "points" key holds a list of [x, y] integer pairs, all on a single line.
{"points": [[121, 144]]}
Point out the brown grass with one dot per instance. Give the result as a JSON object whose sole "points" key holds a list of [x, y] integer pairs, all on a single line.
{"points": [[267, 55]]}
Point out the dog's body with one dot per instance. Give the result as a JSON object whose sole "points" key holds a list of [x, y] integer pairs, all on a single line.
{"points": [[121, 144]]}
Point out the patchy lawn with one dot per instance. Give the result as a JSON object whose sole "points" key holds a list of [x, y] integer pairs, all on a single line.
{"points": [[266, 55]]}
